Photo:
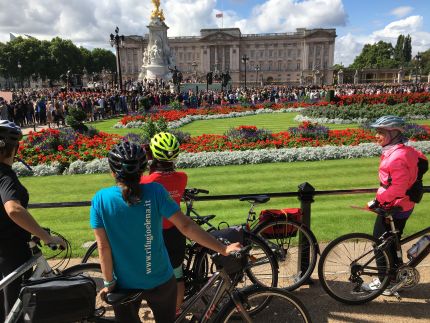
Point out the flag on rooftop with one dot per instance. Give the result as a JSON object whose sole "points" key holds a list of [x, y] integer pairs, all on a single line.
{"points": [[219, 15]]}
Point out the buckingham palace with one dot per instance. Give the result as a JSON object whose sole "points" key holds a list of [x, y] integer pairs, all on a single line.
{"points": [[301, 57]]}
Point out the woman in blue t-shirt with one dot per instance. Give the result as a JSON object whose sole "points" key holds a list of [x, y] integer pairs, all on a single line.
{"points": [[127, 222]]}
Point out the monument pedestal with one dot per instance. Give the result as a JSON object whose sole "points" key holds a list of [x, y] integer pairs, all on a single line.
{"points": [[157, 57]]}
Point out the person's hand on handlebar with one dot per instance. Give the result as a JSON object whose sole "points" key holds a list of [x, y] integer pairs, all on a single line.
{"points": [[57, 241], [231, 248]]}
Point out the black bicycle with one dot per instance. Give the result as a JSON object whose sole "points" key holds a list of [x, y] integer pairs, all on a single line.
{"points": [[293, 243], [223, 302], [354, 261]]}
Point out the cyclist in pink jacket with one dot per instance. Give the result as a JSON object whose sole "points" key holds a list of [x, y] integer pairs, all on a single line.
{"points": [[398, 170]]}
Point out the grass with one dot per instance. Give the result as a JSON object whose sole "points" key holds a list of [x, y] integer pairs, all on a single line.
{"points": [[276, 122], [331, 215]]}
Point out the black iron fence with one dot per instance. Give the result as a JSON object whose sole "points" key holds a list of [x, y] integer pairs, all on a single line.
{"points": [[305, 193]]}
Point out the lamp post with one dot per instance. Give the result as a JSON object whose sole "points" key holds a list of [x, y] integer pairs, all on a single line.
{"points": [[194, 65], [19, 69], [117, 40], [257, 69], [67, 80], [417, 66], [244, 60]]}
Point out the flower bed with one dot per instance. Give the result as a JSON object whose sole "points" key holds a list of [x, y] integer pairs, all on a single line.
{"points": [[64, 147], [346, 109], [223, 158], [364, 112]]}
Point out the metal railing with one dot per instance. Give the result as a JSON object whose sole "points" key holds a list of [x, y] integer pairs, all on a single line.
{"points": [[305, 193]]}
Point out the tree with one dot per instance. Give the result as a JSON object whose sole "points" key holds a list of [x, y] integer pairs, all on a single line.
{"points": [[425, 62], [398, 50], [377, 55], [407, 49], [102, 58]]}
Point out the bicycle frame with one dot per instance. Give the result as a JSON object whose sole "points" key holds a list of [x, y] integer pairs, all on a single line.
{"points": [[393, 238], [42, 270], [225, 287]]}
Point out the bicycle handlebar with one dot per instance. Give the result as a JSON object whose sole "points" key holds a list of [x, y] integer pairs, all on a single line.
{"points": [[192, 192]]}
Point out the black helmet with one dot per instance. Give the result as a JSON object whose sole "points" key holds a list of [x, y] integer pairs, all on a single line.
{"points": [[127, 159], [10, 133]]}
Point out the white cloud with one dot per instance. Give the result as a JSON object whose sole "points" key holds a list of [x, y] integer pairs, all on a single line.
{"points": [[349, 46], [89, 22], [401, 11]]}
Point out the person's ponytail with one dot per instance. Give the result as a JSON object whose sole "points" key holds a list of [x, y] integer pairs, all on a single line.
{"points": [[131, 192]]}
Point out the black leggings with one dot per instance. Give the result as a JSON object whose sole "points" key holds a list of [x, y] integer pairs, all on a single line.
{"points": [[9, 261], [380, 227], [161, 300]]}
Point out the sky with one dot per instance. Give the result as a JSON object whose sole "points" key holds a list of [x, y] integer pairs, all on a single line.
{"points": [[88, 23]]}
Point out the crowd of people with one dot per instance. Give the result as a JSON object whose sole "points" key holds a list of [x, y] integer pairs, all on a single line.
{"points": [[51, 106]]}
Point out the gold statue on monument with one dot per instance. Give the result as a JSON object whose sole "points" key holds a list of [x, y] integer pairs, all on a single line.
{"points": [[157, 12]]}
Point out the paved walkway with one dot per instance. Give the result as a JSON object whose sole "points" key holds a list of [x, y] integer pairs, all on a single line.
{"points": [[27, 130]]}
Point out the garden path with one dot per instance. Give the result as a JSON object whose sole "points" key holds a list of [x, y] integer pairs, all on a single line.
{"points": [[413, 308]]}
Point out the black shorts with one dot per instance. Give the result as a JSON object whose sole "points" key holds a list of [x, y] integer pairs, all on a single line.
{"points": [[175, 245]]}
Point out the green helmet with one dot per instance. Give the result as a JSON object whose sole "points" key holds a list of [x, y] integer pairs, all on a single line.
{"points": [[164, 146]]}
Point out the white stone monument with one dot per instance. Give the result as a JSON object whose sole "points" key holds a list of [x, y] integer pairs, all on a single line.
{"points": [[400, 75], [157, 57], [340, 77], [356, 77]]}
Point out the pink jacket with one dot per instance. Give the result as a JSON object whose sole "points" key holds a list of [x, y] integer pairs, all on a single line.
{"points": [[399, 163]]}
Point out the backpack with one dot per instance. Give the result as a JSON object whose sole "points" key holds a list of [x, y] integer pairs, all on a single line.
{"points": [[416, 191]]}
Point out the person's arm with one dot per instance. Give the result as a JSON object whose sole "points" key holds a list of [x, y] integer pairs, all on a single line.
{"points": [[23, 218], [105, 254], [191, 230], [106, 263]]}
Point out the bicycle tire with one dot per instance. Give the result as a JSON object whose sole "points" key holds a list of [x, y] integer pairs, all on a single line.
{"points": [[93, 271], [91, 253], [262, 268], [284, 242], [337, 263], [283, 307]]}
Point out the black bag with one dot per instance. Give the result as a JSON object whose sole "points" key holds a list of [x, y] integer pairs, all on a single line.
{"points": [[227, 236], [58, 299], [416, 191]]}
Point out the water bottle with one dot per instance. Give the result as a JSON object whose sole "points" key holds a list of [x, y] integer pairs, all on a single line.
{"points": [[418, 247]]}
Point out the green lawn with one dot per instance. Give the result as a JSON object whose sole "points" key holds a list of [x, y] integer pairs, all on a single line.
{"points": [[275, 122], [331, 215]]}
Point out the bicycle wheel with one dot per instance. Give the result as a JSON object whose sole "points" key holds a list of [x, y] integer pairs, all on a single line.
{"points": [[94, 272], [283, 307], [283, 237], [262, 267], [92, 252], [351, 261]]}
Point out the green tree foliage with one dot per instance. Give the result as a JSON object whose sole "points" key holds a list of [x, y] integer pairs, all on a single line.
{"points": [[398, 50], [50, 59], [378, 55], [407, 49], [425, 62]]}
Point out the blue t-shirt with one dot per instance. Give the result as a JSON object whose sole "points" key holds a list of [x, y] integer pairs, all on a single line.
{"points": [[140, 258]]}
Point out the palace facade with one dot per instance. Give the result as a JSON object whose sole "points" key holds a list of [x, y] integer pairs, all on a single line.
{"points": [[301, 57]]}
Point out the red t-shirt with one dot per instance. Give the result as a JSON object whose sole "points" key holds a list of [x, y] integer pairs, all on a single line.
{"points": [[173, 182]]}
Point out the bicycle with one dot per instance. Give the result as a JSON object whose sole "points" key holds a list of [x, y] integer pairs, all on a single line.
{"points": [[355, 259], [41, 269], [292, 242], [262, 268], [229, 304]]}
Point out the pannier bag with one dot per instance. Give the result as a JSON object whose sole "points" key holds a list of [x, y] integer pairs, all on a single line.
{"points": [[280, 231], [227, 236], [58, 299]]}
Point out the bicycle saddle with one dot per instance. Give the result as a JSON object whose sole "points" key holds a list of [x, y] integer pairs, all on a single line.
{"points": [[255, 198], [121, 296]]}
